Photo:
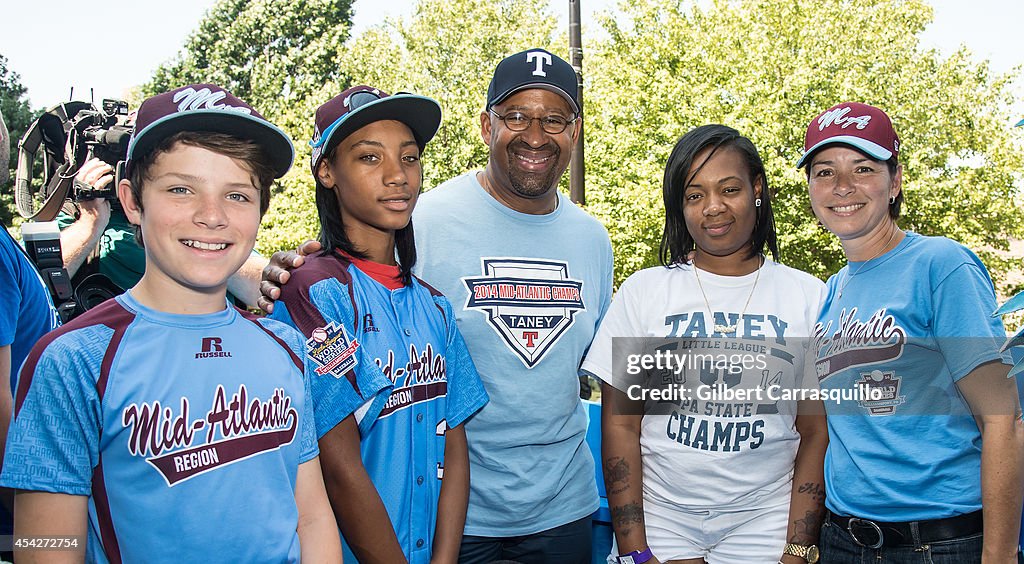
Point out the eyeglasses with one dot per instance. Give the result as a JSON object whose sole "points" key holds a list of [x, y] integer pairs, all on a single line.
{"points": [[518, 121]]}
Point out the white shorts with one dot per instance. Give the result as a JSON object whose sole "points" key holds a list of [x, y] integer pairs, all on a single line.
{"points": [[745, 536]]}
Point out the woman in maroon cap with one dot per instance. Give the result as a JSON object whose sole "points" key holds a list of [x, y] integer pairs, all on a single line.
{"points": [[933, 437], [396, 381]]}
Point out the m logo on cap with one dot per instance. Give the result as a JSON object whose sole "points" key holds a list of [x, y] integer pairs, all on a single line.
{"points": [[838, 117], [191, 99], [542, 59]]}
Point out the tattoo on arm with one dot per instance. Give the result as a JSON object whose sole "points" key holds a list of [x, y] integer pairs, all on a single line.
{"points": [[625, 516], [806, 530], [813, 489], [616, 474]]}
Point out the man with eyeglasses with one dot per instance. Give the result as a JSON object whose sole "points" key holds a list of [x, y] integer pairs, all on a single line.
{"points": [[530, 275]]}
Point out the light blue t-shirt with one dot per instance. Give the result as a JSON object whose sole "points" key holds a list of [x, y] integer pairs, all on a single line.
{"points": [[185, 432], [26, 310], [529, 292], [909, 325]]}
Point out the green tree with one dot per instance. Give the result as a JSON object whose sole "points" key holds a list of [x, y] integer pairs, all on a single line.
{"points": [[766, 67], [270, 53], [18, 116], [283, 57], [447, 50]]}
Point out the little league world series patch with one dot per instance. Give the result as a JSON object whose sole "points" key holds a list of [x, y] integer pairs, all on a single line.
{"points": [[332, 350], [530, 303]]}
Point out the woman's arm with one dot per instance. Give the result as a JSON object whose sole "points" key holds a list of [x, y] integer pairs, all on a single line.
{"points": [[318, 532], [623, 469], [454, 498], [357, 506], [993, 400], [807, 502]]}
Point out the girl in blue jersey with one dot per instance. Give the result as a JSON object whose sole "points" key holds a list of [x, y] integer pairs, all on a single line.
{"points": [[909, 471], [704, 478], [395, 379]]}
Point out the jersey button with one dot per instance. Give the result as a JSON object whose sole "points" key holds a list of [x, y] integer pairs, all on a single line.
{"points": [[419, 417], [419, 480], [408, 332], [419, 543]]}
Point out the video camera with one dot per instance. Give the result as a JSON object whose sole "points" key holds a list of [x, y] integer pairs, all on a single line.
{"points": [[66, 136], [105, 135]]}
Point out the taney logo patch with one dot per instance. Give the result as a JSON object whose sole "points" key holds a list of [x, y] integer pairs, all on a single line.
{"points": [[529, 303]]}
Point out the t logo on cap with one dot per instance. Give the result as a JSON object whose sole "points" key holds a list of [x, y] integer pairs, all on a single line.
{"points": [[542, 58]]}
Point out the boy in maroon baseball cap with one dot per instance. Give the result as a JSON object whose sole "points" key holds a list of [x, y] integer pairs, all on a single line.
{"points": [[164, 425]]}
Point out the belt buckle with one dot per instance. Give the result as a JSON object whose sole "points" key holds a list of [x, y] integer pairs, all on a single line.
{"points": [[864, 522]]}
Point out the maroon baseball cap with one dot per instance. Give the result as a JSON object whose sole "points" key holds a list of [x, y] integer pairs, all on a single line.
{"points": [[863, 127], [360, 106], [207, 107]]}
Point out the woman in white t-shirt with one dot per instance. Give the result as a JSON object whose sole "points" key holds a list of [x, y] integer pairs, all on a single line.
{"points": [[723, 461]]}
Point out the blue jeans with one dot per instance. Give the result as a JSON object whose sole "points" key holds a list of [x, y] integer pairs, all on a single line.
{"points": [[569, 543], [837, 547]]}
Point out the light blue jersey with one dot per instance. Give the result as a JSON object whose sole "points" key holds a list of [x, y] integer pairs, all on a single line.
{"points": [[908, 325], [186, 432], [395, 358], [529, 292]]}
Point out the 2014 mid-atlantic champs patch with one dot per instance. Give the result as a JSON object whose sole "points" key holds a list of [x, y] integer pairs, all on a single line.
{"points": [[530, 303]]}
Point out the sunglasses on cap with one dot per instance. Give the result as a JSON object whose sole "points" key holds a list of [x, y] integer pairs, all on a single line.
{"points": [[363, 96]]}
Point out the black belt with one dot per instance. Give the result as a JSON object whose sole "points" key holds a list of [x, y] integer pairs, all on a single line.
{"points": [[874, 534]]}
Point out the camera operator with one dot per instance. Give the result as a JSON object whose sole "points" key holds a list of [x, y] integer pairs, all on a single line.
{"points": [[102, 230]]}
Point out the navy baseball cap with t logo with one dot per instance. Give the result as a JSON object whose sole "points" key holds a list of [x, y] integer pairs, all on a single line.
{"points": [[533, 68], [210, 108]]}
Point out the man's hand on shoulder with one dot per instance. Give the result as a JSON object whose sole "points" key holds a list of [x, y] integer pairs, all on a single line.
{"points": [[276, 274]]}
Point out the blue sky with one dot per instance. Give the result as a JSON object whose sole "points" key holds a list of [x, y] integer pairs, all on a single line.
{"points": [[114, 55]]}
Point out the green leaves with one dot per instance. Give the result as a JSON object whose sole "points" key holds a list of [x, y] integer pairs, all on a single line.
{"points": [[653, 69], [18, 117], [766, 67]]}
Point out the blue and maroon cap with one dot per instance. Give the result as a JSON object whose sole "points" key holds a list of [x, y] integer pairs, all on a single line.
{"points": [[863, 127], [360, 106], [207, 107]]}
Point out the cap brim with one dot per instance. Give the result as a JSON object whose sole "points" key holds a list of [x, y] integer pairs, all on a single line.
{"points": [[542, 86], [421, 114], [1020, 123], [871, 149], [274, 141]]}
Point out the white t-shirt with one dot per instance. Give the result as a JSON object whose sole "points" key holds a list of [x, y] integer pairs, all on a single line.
{"points": [[715, 451]]}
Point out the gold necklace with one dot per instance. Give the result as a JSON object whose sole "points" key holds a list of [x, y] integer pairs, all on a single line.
{"points": [[728, 329], [850, 275]]}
